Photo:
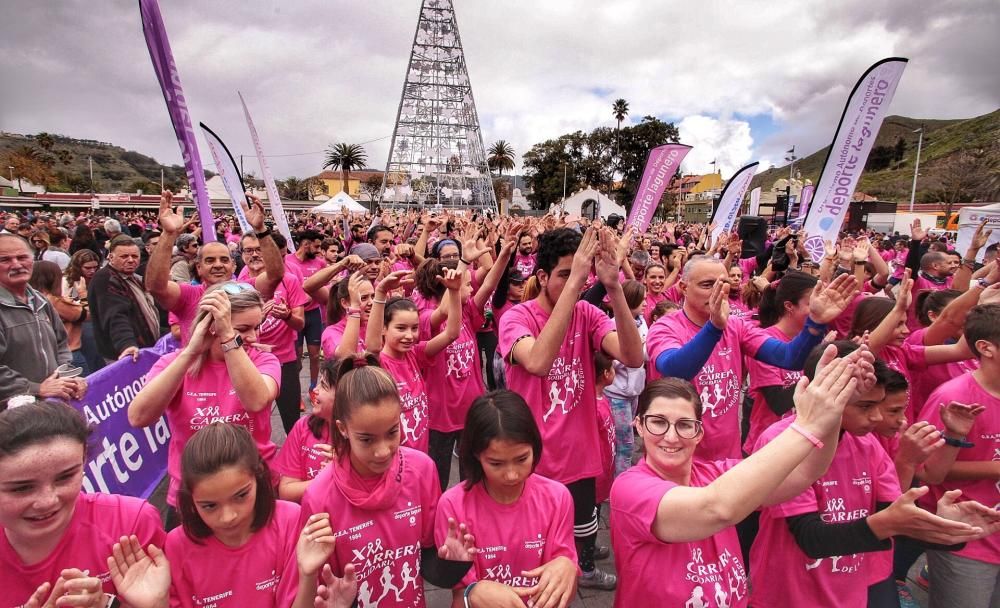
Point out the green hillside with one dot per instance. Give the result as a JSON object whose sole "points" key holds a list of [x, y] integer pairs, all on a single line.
{"points": [[943, 141], [64, 163]]}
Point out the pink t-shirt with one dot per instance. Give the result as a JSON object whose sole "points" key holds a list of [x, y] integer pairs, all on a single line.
{"points": [[99, 521], [933, 376], [985, 434], [380, 525], [409, 371], [563, 402], [738, 309], [842, 324], [909, 360], [525, 264], [304, 270], [512, 538], [674, 293], [861, 475], [275, 331], [719, 380], [333, 334], [298, 457], [262, 573], [606, 427], [210, 397], [706, 573], [761, 374], [454, 378], [652, 299], [922, 283]]}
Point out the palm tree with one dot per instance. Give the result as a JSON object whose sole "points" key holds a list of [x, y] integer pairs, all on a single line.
{"points": [[345, 158], [620, 109], [501, 157]]}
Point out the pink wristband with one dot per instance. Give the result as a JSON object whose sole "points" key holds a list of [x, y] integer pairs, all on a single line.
{"points": [[813, 439]]}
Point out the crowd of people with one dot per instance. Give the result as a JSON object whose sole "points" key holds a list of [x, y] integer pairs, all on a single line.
{"points": [[760, 430]]}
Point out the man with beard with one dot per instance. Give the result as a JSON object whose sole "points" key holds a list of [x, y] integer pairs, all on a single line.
{"points": [[304, 263], [213, 264], [125, 318], [33, 341], [381, 237], [525, 259], [284, 318]]}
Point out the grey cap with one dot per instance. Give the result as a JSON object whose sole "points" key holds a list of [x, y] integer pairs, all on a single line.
{"points": [[366, 251]]}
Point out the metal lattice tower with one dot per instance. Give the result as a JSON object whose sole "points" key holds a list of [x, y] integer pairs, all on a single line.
{"points": [[437, 154]]}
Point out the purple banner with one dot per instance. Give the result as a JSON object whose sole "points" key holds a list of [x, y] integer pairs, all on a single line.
{"points": [[173, 95], [127, 460], [805, 198], [661, 165]]}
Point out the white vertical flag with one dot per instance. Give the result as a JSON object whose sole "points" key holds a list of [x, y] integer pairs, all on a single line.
{"points": [[731, 200], [272, 189]]}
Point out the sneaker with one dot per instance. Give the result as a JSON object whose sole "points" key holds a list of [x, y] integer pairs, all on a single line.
{"points": [[602, 552], [923, 578], [598, 579], [906, 599]]}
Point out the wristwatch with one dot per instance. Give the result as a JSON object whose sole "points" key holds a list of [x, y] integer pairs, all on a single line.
{"points": [[958, 442], [982, 282], [233, 344]]}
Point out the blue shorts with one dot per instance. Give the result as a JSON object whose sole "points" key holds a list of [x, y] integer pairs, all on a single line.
{"points": [[312, 331]]}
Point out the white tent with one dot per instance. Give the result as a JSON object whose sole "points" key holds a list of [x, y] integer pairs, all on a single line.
{"points": [[969, 218], [337, 203], [590, 203]]}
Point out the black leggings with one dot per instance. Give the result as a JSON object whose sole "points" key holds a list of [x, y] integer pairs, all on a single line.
{"points": [[584, 493], [289, 395], [439, 449]]}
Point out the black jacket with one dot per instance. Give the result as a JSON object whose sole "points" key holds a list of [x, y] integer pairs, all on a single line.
{"points": [[118, 321]]}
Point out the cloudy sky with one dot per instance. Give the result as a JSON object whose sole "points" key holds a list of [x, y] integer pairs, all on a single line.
{"points": [[743, 81]]}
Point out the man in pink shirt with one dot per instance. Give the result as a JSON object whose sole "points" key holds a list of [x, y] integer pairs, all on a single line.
{"points": [[932, 270], [304, 263], [548, 346], [213, 264], [526, 258]]}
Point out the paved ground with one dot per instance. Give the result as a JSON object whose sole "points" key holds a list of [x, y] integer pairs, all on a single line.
{"points": [[441, 598]]}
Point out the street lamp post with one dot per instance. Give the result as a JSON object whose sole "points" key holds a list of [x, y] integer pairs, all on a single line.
{"points": [[916, 168], [11, 174], [788, 188]]}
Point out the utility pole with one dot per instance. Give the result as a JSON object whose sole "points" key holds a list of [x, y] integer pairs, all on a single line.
{"points": [[916, 169], [90, 160], [565, 168]]}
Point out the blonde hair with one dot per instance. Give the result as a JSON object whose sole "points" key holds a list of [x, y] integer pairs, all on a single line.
{"points": [[246, 298]]}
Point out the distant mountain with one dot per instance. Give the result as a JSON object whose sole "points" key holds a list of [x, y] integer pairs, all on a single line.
{"points": [[889, 174], [115, 168]]}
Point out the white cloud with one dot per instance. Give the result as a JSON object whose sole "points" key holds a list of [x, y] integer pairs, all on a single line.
{"points": [[728, 142], [315, 72]]}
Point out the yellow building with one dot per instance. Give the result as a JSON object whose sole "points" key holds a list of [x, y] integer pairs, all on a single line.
{"points": [[334, 181], [707, 187]]}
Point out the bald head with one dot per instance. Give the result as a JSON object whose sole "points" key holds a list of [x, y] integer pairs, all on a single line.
{"points": [[696, 262], [214, 263]]}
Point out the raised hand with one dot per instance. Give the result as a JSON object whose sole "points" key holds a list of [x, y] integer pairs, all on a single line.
{"points": [[861, 250], [918, 442], [254, 212], [142, 578], [459, 545], [315, 545], [217, 305], [583, 259], [958, 418], [392, 282], [917, 231], [820, 403], [606, 261], [337, 592], [170, 222], [981, 237], [826, 303], [718, 304], [452, 279]]}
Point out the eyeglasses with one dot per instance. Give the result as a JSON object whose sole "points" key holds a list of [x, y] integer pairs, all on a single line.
{"points": [[451, 256], [235, 288], [517, 281], [658, 426], [251, 250]]}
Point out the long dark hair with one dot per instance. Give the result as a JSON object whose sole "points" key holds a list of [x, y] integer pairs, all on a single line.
{"points": [[360, 382], [790, 288], [500, 415], [211, 449], [41, 421]]}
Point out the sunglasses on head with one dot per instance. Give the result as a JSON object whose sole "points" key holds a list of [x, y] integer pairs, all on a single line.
{"points": [[235, 288]]}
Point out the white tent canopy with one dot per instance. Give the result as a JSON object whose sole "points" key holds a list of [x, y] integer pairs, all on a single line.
{"points": [[590, 203], [339, 201]]}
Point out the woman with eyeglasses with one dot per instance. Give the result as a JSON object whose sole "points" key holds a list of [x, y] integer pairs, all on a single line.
{"points": [[217, 377], [673, 518]]}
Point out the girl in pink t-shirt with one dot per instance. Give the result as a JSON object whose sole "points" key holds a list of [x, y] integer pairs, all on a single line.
{"points": [[53, 539], [347, 317], [657, 281], [236, 541], [523, 522], [218, 377], [673, 518], [307, 449], [394, 329], [379, 500]]}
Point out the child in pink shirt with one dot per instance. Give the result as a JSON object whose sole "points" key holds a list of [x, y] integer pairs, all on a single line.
{"points": [[396, 332], [379, 500], [348, 309], [523, 522], [53, 539], [307, 449], [237, 544]]}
